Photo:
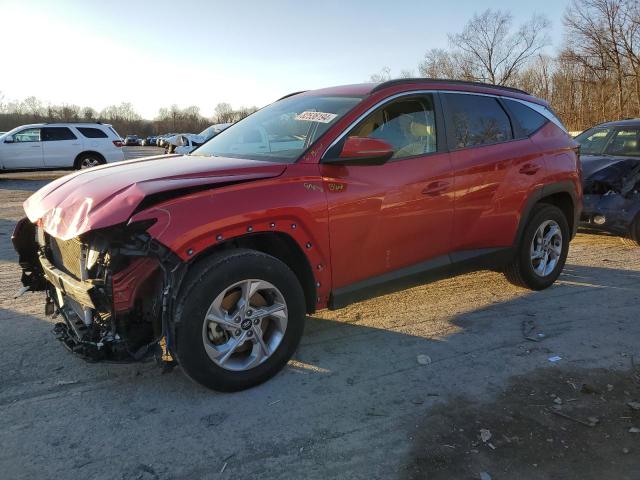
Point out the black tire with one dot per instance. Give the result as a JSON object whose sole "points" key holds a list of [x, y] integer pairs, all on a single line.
{"points": [[203, 284], [88, 160], [520, 270], [633, 237]]}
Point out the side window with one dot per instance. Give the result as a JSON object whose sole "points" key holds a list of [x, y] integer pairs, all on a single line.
{"points": [[408, 125], [624, 143], [53, 134], [528, 119], [92, 132], [28, 135], [475, 120], [593, 141]]}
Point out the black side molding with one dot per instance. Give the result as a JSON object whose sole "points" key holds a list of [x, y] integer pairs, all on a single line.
{"points": [[437, 268]]}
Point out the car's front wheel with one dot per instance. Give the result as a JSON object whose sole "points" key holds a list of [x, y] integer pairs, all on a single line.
{"points": [[543, 249], [239, 319]]}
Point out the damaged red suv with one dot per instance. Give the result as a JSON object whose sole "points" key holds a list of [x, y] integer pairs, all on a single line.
{"points": [[318, 200]]}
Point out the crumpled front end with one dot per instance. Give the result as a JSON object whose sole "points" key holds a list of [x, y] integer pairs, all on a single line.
{"points": [[612, 197], [111, 287]]}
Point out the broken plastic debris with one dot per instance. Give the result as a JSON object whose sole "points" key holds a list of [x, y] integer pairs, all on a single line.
{"points": [[634, 430], [555, 358], [423, 359], [485, 476], [485, 435]]}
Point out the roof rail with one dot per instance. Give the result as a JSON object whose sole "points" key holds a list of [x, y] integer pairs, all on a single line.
{"points": [[53, 123], [403, 81], [291, 95]]}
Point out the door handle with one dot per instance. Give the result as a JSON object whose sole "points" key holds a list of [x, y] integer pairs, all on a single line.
{"points": [[35, 146], [435, 188], [529, 169]]}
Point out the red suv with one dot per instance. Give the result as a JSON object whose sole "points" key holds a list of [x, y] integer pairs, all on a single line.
{"points": [[318, 200]]}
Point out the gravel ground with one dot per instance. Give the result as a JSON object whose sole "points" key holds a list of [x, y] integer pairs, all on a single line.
{"points": [[354, 402]]}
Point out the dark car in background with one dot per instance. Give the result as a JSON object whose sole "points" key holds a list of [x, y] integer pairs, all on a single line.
{"points": [[132, 140], [610, 156], [149, 141]]}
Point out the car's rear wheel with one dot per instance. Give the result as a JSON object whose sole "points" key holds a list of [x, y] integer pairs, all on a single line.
{"points": [[543, 249], [240, 317], [88, 160]]}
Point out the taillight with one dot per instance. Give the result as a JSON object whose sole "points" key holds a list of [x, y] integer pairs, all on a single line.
{"points": [[118, 143]]}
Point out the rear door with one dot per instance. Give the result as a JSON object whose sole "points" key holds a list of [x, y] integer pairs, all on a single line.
{"points": [[24, 152], [60, 147], [387, 217], [495, 167]]}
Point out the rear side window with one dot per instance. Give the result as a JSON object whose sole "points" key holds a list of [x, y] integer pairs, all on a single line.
{"points": [[52, 134], [475, 120], [528, 120], [92, 132]]}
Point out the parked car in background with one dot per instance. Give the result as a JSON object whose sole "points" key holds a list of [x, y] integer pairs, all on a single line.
{"points": [[132, 141], [59, 145], [610, 156], [161, 139], [148, 141], [186, 143], [171, 141], [318, 200]]}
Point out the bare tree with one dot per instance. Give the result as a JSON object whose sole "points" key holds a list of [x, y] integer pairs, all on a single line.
{"points": [[223, 113], [593, 33], [382, 76], [491, 52]]}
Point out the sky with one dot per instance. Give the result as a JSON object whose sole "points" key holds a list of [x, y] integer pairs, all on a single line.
{"points": [[244, 52]]}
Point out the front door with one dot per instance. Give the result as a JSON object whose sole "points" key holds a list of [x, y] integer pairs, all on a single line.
{"points": [[387, 217], [24, 152]]}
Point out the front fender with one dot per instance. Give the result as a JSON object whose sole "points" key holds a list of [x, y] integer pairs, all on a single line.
{"points": [[293, 204]]}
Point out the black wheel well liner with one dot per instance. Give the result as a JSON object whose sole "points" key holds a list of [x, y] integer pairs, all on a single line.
{"points": [[281, 246], [92, 152], [562, 195]]}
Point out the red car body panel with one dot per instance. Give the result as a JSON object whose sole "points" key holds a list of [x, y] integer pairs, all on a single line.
{"points": [[398, 214], [293, 204]]}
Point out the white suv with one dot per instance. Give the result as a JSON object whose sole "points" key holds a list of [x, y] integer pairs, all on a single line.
{"points": [[59, 145]]}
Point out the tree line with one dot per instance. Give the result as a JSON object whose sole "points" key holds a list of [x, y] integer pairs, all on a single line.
{"points": [[594, 77], [123, 117]]}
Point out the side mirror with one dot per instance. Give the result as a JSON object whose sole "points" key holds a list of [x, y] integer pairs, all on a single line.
{"points": [[362, 151], [8, 139]]}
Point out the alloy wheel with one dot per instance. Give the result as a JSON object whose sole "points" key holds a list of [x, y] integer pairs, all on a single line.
{"points": [[89, 162], [245, 324], [546, 248]]}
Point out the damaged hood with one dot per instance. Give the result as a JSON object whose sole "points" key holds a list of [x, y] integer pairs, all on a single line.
{"points": [[103, 196], [594, 163], [609, 174]]}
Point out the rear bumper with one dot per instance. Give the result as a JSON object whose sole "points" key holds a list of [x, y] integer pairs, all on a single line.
{"points": [[115, 155]]}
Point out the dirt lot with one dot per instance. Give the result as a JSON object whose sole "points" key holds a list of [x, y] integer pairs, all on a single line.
{"points": [[355, 402]]}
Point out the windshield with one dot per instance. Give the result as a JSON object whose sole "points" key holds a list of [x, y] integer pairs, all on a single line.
{"points": [[280, 132], [593, 141]]}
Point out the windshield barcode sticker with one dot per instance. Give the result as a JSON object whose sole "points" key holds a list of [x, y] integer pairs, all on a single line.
{"points": [[321, 117]]}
